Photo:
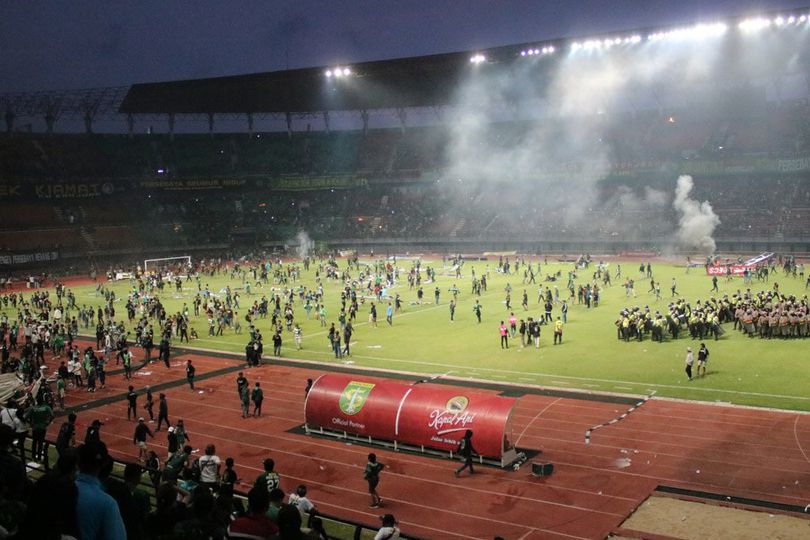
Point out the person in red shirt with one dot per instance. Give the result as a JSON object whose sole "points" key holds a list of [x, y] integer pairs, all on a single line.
{"points": [[254, 525]]}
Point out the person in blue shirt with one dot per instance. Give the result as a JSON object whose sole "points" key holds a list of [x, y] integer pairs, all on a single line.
{"points": [[97, 514], [389, 314]]}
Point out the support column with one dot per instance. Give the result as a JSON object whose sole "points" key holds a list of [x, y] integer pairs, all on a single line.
{"points": [[326, 121], [250, 124]]}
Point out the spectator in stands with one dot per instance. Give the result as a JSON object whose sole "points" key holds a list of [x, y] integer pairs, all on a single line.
{"points": [[40, 416], [14, 416], [308, 511], [209, 467], [254, 524], [229, 477], [200, 523], [132, 503], [97, 513], [168, 511], [389, 529], [93, 433], [50, 512], [269, 479], [14, 484]]}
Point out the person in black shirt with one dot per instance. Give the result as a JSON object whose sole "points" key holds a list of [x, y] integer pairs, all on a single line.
{"points": [[132, 399], [163, 412], [139, 439], [241, 382], [93, 434], [149, 405], [466, 450], [190, 372]]}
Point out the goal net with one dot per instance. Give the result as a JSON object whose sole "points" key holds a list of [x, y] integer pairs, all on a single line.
{"points": [[168, 266]]}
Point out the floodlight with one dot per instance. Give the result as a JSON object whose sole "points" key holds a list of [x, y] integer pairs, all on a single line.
{"points": [[791, 19], [779, 21], [478, 58], [347, 71], [328, 72], [522, 53]]}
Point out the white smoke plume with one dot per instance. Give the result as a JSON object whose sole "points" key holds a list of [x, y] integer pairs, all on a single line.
{"points": [[544, 136], [696, 221], [304, 244]]}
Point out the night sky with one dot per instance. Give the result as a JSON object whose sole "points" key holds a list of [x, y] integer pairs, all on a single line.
{"points": [[49, 45]]}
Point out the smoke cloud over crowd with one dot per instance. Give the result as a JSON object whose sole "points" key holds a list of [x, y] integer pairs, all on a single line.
{"points": [[537, 138], [305, 244], [696, 221]]}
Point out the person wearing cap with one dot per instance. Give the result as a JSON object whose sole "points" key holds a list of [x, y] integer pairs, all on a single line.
{"points": [[690, 360], [139, 438], [389, 529], [97, 514]]}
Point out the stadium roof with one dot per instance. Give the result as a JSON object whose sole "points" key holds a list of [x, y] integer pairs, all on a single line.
{"points": [[424, 81], [407, 82]]}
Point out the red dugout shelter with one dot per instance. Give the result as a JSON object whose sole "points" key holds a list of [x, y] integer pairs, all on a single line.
{"points": [[420, 416]]}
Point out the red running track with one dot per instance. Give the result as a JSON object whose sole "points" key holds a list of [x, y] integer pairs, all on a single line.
{"points": [[759, 454]]}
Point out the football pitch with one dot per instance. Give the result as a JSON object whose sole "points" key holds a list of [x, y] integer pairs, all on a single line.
{"points": [[422, 339]]}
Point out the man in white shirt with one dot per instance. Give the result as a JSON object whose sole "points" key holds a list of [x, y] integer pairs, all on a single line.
{"points": [[389, 529], [209, 467]]}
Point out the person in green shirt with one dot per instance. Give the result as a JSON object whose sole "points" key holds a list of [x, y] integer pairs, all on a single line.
{"points": [[372, 475], [40, 417], [269, 479]]}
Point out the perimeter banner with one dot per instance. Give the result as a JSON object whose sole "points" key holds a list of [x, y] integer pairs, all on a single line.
{"points": [[419, 414], [11, 259]]}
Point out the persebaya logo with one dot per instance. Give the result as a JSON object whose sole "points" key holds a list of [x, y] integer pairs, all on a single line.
{"points": [[457, 404], [354, 396]]}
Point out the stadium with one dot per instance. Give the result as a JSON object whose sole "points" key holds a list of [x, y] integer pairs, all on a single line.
{"points": [[553, 289]]}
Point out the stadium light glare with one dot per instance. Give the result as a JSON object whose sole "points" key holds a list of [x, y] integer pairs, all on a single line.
{"points": [[478, 58], [699, 31], [347, 71], [522, 53], [328, 73], [754, 25]]}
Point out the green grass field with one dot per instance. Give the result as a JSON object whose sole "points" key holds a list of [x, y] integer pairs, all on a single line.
{"points": [[772, 373]]}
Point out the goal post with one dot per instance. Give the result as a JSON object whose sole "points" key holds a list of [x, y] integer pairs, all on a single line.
{"points": [[169, 264]]}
